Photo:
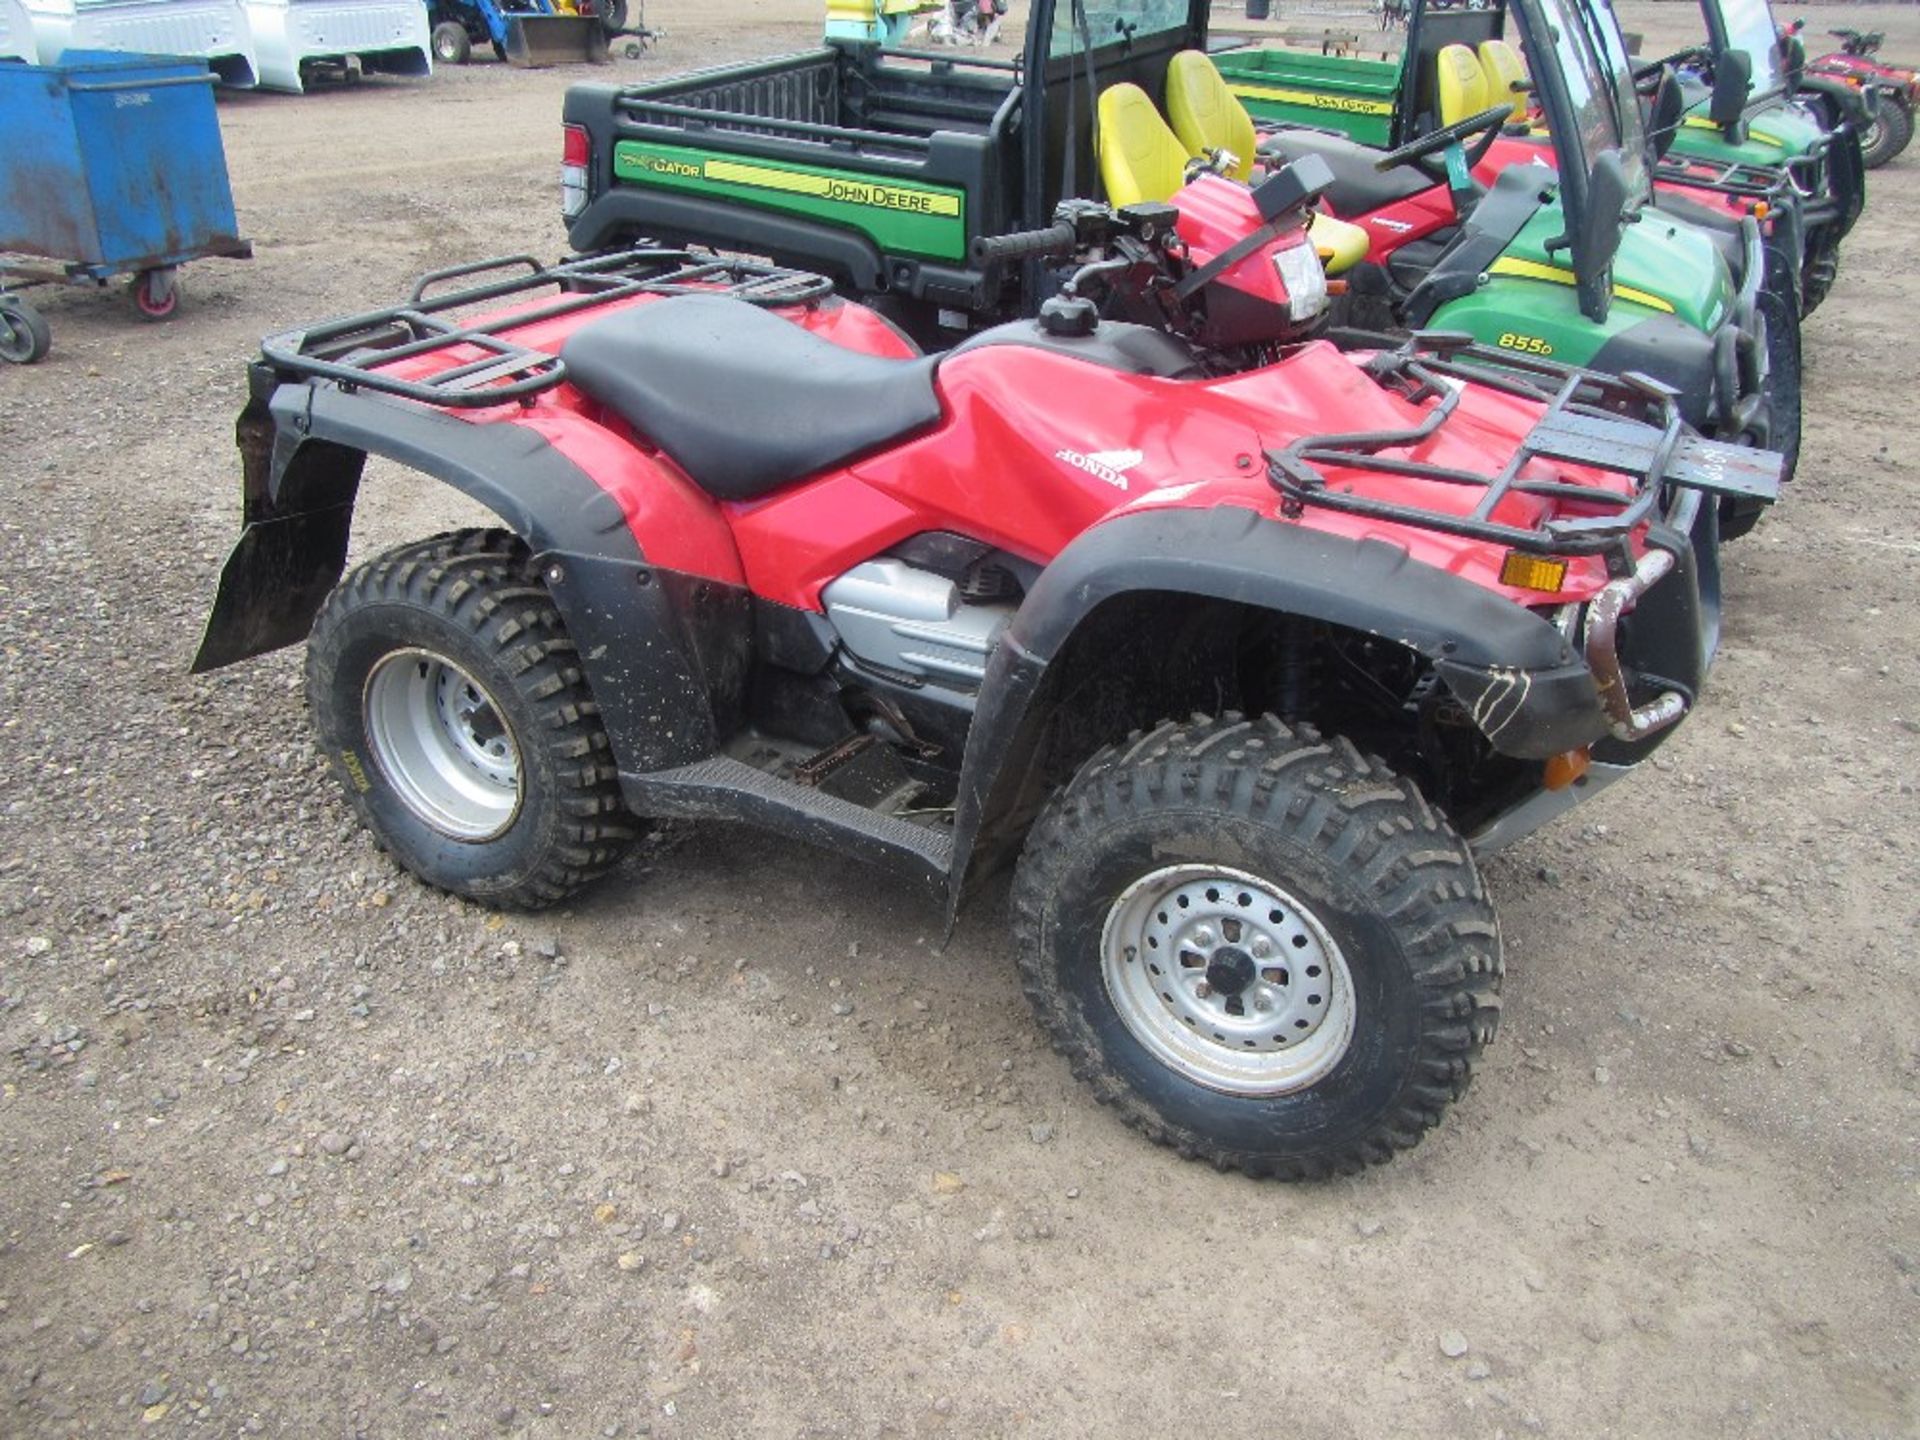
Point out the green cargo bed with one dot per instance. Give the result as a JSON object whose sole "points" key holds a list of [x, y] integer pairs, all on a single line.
{"points": [[1330, 92]]}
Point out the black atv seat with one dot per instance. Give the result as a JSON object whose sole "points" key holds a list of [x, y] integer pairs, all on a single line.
{"points": [[739, 398], [1358, 188]]}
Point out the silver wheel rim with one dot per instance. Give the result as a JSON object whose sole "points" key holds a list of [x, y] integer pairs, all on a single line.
{"points": [[442, 744], [1227, 979]]}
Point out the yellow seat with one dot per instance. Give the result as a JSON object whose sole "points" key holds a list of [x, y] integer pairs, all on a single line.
{"points": [[1206, 115], [1140, 158], [1340, 246], [1506, 75], [1462, 90]]}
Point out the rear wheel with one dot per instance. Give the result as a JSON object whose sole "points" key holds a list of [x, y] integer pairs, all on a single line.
{"points": [[451, 43], [1887, 134], [24, 334], [1258, 946], [450, 703]]}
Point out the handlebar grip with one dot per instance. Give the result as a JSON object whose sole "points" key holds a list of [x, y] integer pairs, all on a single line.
{"points": [[1054, 240]]}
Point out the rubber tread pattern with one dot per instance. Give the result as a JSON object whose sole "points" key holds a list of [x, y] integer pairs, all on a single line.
{"points": [[484, 582], [1317, 792]]}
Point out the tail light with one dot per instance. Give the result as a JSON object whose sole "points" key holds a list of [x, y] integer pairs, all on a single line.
{"points": [[575, 154]]}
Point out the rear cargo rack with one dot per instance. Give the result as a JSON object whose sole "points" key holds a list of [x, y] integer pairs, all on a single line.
{"points": [[1751, 182], [1626, 424], [357, 352]]}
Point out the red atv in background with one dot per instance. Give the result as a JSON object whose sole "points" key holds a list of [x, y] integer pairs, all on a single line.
{"points": [[1238, 667], [1890, 126]]}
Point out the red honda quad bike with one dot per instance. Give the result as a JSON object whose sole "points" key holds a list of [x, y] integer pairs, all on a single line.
{"points": [[1238, 672], [1890, 126]]}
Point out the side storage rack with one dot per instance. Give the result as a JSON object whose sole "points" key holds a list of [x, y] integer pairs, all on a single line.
{"points": [[360, 351], [1626, 424]]}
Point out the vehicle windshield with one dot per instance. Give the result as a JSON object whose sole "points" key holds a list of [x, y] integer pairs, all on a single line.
{"points": [[1602, 29], [1110, 21], [1749, 27], [1598, 84]]}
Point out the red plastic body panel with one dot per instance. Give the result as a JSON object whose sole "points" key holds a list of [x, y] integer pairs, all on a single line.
{"points": [[1215, 214], [1403, 222], [1035, 447], [1521, 150], [1004, 467], [1393, 226], [1842, 66]]}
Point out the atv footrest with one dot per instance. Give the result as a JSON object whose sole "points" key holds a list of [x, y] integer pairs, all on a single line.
{"points": [[729, 789]]}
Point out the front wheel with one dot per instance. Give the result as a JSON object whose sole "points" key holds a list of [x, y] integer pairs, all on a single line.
{"points": [[1258, 946], [1887, 134], [451, 705]]}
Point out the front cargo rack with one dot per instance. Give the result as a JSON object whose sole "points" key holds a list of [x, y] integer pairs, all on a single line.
{"points": [[1626, 424], [357, 352]]}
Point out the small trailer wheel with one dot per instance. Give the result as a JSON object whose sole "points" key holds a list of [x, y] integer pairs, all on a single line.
{"points": [[156, 293], [635, 50], [24, 336], [451, 44]]}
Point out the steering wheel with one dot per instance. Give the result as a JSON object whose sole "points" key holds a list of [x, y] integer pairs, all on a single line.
{"points": [[1697, 56], [1420, 153]]}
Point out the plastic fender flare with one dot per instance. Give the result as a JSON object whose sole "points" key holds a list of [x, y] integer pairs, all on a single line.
{"points": [[625, 617], [1851, 103], [1527, 688]]}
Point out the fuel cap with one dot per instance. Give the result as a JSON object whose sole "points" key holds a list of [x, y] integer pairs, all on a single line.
{"points": [[1069, 315]]}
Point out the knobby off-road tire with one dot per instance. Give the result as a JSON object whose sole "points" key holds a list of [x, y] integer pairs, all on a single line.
{"points": [[1887, 134], [451, 705], [1276, 841]]}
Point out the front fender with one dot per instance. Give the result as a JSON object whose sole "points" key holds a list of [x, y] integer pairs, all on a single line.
{"points": [[1524, 685]]}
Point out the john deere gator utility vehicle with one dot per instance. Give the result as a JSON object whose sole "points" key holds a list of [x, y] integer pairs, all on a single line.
{"points": [[887, 169]]}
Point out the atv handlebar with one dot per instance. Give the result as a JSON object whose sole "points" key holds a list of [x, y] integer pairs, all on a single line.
{"points": [[1054, 240]]}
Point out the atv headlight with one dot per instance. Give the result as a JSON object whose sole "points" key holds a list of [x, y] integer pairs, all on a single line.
{"points": [[1301, 272]]}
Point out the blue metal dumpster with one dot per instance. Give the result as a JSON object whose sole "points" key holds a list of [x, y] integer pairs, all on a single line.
{"points": [[112, 165]]}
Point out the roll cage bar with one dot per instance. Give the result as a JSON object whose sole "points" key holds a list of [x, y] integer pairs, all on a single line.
{"points": [[1430, 28]]}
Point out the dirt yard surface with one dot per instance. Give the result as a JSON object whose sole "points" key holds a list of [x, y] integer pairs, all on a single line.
{"points": [[732, 1146]]}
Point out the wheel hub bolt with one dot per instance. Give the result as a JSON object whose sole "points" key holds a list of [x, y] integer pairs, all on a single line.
{"points": [[1203, 937], [1261, 947]]}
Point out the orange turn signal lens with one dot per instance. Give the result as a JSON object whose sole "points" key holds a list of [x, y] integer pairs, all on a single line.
{"points": [[1761, 210], [1566, 768], [1533, 572]]}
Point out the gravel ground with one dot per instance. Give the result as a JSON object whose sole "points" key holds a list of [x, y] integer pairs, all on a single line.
{"points": [[732, 1146]]}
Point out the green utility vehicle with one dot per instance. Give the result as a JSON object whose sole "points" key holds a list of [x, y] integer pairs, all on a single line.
{"points": [[888, 168], [1681, 119]]}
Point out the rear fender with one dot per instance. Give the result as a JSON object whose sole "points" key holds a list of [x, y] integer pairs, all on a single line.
{"points": [[665, 688], [1525, 686]]}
